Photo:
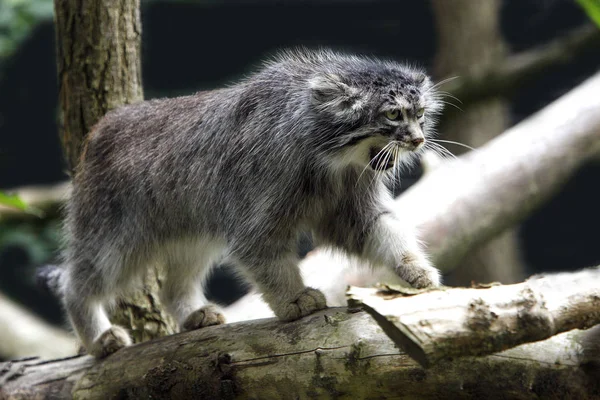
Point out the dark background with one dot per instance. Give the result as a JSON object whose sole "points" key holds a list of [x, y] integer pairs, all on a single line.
{"points": [[188, 46]]}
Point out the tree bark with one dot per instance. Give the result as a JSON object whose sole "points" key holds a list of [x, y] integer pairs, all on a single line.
{"points": [[443, 324], [99, 64], [99, 68], [470, 42], [331, 354]]}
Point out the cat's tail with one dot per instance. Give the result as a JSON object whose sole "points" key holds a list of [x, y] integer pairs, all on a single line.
{"points": [[50, 278]]}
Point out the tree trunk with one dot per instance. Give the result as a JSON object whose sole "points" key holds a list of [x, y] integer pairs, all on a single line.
{"points": [[470, 42], [99, 64], [99, 68]]}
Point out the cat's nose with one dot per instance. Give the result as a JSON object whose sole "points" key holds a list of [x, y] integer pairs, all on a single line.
{"points": [[416, 142]]}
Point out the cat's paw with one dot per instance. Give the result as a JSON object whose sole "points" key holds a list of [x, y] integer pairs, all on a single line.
{"points": [[307, 302], [110, 341], [206, 316], [418, 272]]}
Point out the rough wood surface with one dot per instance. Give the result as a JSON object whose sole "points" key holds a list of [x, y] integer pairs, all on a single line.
{"points": [[453, 322], [99, 64], [331, 354], [99, 68]]}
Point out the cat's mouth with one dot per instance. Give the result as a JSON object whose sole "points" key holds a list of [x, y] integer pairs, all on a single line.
{"points": [[381, 160]]}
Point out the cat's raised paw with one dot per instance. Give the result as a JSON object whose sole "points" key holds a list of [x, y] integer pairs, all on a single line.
{"points": [[206, 316], [110, 341], [427, 279], [418, 272]]}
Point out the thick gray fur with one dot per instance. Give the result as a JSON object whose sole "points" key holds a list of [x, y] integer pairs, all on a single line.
{"points": [[238, 173]]}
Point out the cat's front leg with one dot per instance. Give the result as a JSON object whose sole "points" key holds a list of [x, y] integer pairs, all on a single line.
{"points": [[279, 280], [391, 244]]}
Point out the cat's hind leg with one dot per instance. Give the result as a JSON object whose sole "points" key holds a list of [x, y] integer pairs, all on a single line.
{"points": [[85, 300], [187, 266]]}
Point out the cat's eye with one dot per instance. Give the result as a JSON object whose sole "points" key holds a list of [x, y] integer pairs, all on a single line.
{"points": [[392, 115], [420, 113]]}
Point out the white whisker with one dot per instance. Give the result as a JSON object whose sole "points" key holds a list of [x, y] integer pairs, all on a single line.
{"points": [[451, 104], [396, 168], [369, 164], [440, 150], [453, 142], [438, 84], [448, 94]]}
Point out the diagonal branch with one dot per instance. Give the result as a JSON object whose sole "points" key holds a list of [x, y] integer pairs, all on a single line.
{"points": [[23, 334], [515, 69]]}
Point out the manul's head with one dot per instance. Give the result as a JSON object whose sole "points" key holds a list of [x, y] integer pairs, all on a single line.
{"points": [[372, 113]]}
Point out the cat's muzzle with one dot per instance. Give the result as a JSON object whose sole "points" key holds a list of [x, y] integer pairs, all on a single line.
{"points": [[381, 160]]}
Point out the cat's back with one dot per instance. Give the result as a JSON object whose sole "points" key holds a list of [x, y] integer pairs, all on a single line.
{"points": [[148, 122]]}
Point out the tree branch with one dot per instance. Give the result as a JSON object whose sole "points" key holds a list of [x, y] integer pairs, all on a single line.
{"points": [[333, 353], [504, 77], [25, 335], [465, 202], [442, 324]]}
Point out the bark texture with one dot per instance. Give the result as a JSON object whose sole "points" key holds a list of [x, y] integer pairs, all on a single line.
{"points": [[443, 324], [99, 68], [99, 64], [470, 42], [331, 354]]}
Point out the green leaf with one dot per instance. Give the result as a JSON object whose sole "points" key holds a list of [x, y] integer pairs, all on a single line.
{"points": [[12, 200], [592, 8]]}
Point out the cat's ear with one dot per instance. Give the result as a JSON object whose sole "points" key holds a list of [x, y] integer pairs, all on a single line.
{"points": [[328, 87], [420, 77], [328, 91]]}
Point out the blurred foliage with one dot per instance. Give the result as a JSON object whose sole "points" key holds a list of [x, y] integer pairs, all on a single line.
{"points": [[17, 19], [39, 240], [12, 200], [38, 237], [592, 8]]}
